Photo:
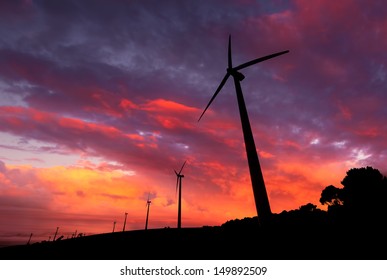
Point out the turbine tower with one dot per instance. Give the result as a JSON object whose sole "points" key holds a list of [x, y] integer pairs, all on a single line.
{"points": [[178, 186], [148, 203], [259, 190], [56, 232], [29, 240], [126, 215]]}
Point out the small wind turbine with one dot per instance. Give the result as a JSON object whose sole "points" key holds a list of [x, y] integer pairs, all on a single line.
{"points": [[29, 240], [258, 184], [56, 232], [114, 225], [148, 203], [178, 186], [126, 214]]}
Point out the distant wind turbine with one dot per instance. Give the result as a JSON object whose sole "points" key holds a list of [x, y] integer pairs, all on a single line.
{"points": [[56, 232], [178, 186], [29, 240], [126, 214], [148, 203], [260, 195]]}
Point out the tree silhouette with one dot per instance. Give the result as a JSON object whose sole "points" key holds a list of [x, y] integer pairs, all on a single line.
{"points": [[331, 196], [305, 216], [362, 197], [308, 208], [364, 188]]}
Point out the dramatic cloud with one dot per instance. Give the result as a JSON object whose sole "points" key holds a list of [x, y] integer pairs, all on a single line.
{"points": [[100, 102]]}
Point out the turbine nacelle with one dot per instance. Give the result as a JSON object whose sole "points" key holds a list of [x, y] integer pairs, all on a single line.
{"points": [[178, 174], [235, 74], [148, 201]]}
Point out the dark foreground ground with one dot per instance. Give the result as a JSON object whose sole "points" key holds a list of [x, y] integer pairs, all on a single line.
{"points": [[218, 243]]}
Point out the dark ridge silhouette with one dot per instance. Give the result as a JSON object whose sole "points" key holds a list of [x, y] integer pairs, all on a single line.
{"points": [[353, 228], [259, 189]]}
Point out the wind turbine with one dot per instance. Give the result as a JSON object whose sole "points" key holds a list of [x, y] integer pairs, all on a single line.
{"points": [[56, 232], [260, 195], [178, 186], [148, 202], [29, 240], [126, 215]]}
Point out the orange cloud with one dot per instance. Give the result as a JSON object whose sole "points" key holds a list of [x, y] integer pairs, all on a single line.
{"points": [[127, 104], [167, 106], [15, 116], [86, 127], [295, 183], [172, 122]]}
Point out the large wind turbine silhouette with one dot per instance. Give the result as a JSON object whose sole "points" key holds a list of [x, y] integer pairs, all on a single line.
{"points": [[259, 189], [178, 186]]}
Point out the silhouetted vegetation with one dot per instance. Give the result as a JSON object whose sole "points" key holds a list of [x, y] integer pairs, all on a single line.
{"points": [[352, 227], [361, 200]]}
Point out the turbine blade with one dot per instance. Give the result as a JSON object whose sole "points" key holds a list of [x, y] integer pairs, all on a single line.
{"points": [[252, 62], [182, 167], [215, 94], [229, 53], [175, 172]]}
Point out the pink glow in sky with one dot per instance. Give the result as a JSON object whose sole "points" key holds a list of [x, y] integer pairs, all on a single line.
{"points": [[100, 101]]}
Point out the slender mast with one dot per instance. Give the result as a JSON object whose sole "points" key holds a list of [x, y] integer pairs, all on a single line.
{"points": [[126, 214], [259, 189], [56, 232], [179, 206], [148, 202]]}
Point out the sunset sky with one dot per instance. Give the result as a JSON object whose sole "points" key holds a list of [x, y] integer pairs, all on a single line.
{"points": [[100, 103]]}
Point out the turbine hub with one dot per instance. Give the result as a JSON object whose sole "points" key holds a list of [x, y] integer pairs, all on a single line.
{"points": [[235, 74]]}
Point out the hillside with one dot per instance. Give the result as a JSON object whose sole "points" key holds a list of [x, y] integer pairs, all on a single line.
{"points": [[237, 239]]}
